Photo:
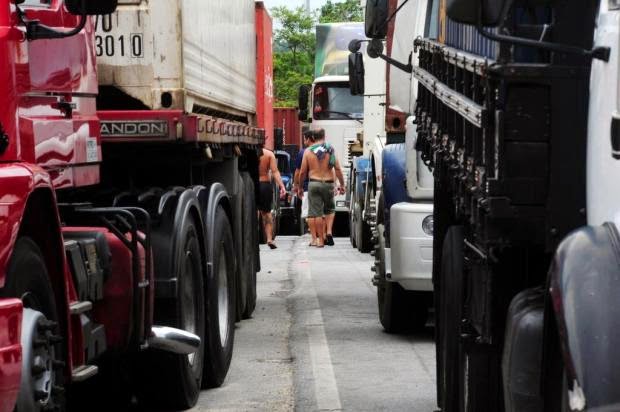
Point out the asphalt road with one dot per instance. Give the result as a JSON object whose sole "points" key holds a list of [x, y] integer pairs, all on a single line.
{"points": [[315, 342]]}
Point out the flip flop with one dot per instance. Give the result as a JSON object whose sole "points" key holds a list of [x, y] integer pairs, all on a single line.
{"points": [[272, 245]]}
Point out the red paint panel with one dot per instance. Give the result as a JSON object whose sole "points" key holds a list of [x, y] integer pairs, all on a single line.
{"points": [[264, 73], [34, 78], [286, 118], [10, 352], [17, 182]]}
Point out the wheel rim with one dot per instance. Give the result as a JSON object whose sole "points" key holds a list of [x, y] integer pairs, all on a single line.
{"points": [[188, 301], [222, 297], [38, 362]]}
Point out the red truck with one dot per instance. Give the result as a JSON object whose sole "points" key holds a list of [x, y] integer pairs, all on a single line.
{"points": [[128, 247]]}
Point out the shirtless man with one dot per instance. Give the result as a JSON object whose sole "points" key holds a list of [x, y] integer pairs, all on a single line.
{"points": [[319, 163], [268, 168]]}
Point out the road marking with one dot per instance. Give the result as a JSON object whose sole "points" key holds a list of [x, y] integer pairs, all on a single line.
{"points": [[325, 387]]}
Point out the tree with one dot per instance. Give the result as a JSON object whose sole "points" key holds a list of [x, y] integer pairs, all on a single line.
{"points": [[293, 53], [295, 43], [346, 11]]}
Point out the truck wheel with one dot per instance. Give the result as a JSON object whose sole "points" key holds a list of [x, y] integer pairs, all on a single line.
{"points": [[168, 380], [42, 381], [220, 307], [352, 231], [249, 244], [363, 235], [448, 296]]}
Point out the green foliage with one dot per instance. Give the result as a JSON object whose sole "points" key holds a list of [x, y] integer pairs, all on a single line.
{"points": [[294, 44], [293, 57], [346, 11]]}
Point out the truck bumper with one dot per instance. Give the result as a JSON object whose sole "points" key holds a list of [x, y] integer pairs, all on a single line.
{"points": [[10, 352], [411, 252]]}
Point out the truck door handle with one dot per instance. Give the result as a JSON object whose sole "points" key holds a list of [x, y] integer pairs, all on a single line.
{"points": [[615, 135]]}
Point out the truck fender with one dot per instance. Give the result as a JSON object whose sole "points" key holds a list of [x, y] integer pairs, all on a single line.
{"points": [[179, 208], [361, 166], [210, 198], [394, 175], [584, 288], [28, 207]]}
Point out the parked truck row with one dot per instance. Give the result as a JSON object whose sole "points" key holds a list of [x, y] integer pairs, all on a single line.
{"points": [[129, 143], [514, 112]]}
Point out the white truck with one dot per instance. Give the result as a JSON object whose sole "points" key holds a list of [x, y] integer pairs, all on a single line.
{"points": [[391, 189], [332, 106]]}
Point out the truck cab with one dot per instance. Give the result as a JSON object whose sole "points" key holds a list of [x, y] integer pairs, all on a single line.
{"points": [[341, 115]]}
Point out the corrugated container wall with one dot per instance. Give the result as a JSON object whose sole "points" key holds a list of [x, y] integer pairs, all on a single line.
{"points": [[286, 118], [464, 37], [195, 55], [264, 72]]}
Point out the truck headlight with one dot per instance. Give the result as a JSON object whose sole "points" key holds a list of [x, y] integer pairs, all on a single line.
{"points": [[427, 225]]}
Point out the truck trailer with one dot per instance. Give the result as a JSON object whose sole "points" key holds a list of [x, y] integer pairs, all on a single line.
{"points": [[128, 170], [516, 116]]}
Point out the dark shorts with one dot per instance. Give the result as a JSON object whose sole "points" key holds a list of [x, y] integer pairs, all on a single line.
{"points": [[265, 197], [320, 199]]}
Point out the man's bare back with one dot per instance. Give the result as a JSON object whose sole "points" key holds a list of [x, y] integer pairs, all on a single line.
{"points": [[266, 163], [318, 169]]}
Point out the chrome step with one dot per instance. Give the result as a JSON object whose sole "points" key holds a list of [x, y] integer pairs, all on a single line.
{"points": [[173, 340], [77, 308], [81, 373]]}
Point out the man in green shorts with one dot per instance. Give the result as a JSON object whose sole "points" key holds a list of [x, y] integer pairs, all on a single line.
{"points": [[319, 164]]}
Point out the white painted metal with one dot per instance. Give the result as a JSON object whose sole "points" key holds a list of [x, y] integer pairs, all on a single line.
{"points": [[202, 52], [411, 253], [409, 24], [374, 111], [420, 181], [603, 171]]}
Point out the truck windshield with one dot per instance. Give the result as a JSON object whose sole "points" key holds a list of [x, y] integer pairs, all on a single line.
{"points": [[333, 101]]}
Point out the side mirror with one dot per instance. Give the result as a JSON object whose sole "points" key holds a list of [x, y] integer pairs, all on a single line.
{"points": [[91, 7], [375, 48], [356, 73], [302, 102], [375, 24], [468, 11]]}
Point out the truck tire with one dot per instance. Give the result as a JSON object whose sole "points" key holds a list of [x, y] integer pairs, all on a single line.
{"points": [[220, 304], [352, 207], [363, 234], [448, 296], [399, 310], [167, 380], [28, 280], [250, 244]]}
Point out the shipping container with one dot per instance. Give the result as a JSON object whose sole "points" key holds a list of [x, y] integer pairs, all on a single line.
{"points": [[264, 73], [189, 55], [286, 118]]}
